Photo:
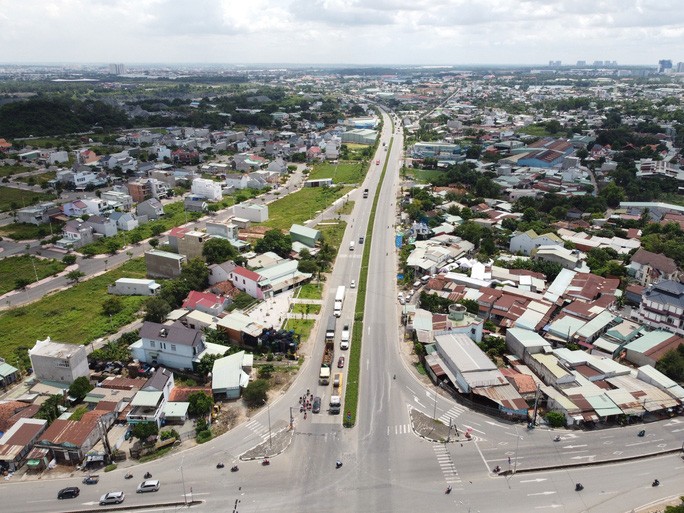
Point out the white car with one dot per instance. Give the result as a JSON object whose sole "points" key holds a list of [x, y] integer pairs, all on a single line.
{"points": [[151, 485], [400, 296], [353, 284], [112, 498]]}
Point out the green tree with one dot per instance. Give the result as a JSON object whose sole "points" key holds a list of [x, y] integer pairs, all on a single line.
{"points": [[112, 306], [157, 229], [195, 274], [265, 371], [154, 242], [555, 419], [80, 388], [200, 404], [156, 309], [217, 251], [275, 241], [143, 430], [22, 283], [672, 364], [256, 393], [307, 266], [74, 276], [69, 259], [50, 409]]}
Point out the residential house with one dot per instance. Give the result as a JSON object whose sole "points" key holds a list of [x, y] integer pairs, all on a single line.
{"points": [[251, 211], [568, 258], [75, 208], [150, 209], [237, 181], [134, 287], [125, 221], [220, 272], [281, 276], [194, 203], [68, 441], [305, 235], [97, 206], [17, 442], [36, 214], [650, 268], [8, 375], [76, 234], [206, 302], [163, 264], [174, 346], [662, 307], [250, 282], [191, 244], [102, 225], [207, 189], [525, 242], [230, 375], [117, 199], [148, 404], [58, 362]]}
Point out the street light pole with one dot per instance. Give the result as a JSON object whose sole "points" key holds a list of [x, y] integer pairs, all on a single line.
{"points": [[185, 497]]}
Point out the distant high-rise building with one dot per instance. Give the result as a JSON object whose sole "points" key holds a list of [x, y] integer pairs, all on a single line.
{"points": [[554, 64], [581, 63], [680, 67], [117, 69], [598, 63], [664, 66]]}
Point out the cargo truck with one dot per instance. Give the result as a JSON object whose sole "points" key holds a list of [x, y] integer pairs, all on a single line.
{"points": [[330, 330], [339, 300], [326, 362]]}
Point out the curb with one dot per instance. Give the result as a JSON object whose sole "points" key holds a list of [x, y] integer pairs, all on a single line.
{"points": [[141, 506]]}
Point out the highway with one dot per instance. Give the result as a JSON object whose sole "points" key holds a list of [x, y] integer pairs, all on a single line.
{"points": [[386, 467]]}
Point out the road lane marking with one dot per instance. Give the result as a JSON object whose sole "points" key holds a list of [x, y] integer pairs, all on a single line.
{"points": [[538, 480], [540, 493], [473, 429]]}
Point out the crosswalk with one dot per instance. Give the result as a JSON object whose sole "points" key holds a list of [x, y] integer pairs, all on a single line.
{"points": [[446, 464], [449, 417], [258, 429], [399, 429]]}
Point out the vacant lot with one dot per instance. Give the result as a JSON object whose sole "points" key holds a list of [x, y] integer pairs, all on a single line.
{"points": [[38, 179], [306, 308], [301, 327], [8, 170], [72, 316], [311, 291], [302, 205], [333, 232], [17, 268], [12, 199], [344, 172], [23, 231]]}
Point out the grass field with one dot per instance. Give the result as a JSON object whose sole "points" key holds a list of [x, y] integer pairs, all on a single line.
{"points": [[333, 233], [424, 175], [344, 172], [302, 205], [311, 291], [23, 231], [301, 327], [305, 308], [72, 316], [535, 130], [13, 170], [11, 198], [38, 179], [21, 268], [347, 208]]}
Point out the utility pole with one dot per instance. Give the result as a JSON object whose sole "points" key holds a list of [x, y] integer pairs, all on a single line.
{"points": [[536, 404]]}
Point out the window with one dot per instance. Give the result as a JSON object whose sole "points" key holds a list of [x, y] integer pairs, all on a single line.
{"points": [[151, 343], [173, 347]]}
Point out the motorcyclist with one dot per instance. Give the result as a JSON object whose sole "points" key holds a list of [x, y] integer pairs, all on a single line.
{"points": [[579, 486], [656, 482], [448, 490]]}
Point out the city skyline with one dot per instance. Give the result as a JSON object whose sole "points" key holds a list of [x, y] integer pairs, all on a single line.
{"points": [[372, 32]]}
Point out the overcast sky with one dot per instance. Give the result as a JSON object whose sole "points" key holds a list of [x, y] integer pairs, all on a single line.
{"points": [[342, 31]]}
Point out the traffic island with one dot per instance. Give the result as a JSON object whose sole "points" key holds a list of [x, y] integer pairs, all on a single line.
{"points": [[273, 445], [434, 430]]}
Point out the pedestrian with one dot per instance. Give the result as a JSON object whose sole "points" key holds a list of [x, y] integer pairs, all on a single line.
{"points": [[509, 460]]}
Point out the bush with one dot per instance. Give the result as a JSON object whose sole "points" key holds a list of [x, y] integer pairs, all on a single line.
{"points": [[169, 433], [69, 259], [110, 467], [555, 419], [256, 393], [203, 436]]}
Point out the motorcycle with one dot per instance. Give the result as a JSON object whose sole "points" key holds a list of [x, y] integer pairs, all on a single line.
{"points": [[265, 462], [497, 469], [338, 464], [655, 483], [220, 465], [448, 490], [641, 433], [148, 475], [557, 438], [234, 468], [128, 476], [579, 487]]}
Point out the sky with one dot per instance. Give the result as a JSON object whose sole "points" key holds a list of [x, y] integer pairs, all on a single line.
{"points": [[364, 32]]}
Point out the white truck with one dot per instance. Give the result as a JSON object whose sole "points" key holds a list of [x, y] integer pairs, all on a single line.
{"points": [[335, 405], [339, 301], [344, 340]]}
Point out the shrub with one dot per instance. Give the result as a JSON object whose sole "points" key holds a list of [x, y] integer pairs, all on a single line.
{"points": [[555, 419], [169, 433], [110, 467], [203, 436]]}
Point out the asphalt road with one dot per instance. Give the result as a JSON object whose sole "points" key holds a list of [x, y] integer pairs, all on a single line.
{"points": [[386, 467]]}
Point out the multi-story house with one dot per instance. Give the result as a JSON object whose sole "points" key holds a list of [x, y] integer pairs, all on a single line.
{"points": [[149, 402], [525, 242], [151, 209], [54, 361], [174, 346], [75, 235], [662, 306], [649, 268], [208, 189]]}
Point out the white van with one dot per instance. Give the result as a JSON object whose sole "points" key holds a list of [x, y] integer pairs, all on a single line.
{"points": [[351, 246]]}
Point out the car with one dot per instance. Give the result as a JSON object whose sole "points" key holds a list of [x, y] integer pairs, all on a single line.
{"points": [[340, 362], [316, 407], [360, 240], [112, 498], [400, 296], [416, 284], [70, 492], [352, 285], [151, 485]]}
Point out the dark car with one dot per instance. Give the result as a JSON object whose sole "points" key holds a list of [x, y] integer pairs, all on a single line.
{"points": [[340, 362], [68, 493], [316, 408], [360, 240]]}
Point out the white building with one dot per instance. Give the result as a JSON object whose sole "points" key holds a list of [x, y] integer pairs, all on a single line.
{"points": [[207, 189], [525, 242], [54, 361], [251, 212], [134, 287]]}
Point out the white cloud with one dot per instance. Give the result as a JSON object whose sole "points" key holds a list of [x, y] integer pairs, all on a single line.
{"points": [[342, 31]]}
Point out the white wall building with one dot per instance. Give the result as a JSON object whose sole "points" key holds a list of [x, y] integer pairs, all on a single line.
{"points": [[54, 361], [252, 212], [207, 189]]}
